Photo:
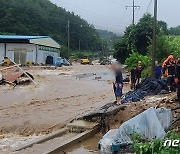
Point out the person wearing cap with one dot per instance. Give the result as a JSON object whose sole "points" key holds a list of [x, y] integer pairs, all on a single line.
{"points": [[118, 84]]}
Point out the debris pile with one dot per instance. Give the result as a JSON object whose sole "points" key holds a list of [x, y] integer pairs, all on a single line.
{"points": [[15, 77], [18, 78], [147, 87]]}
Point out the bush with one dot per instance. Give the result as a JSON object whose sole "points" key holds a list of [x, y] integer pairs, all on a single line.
{"points": [[146, 72], [155, 146], [132, 61]]}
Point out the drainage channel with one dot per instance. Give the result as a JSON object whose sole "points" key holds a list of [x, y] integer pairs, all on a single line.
{"points": [[88, 146], [79, 136], [75, 132]]}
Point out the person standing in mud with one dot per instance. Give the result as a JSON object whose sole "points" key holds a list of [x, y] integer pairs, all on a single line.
{"points": [[118, 84], [157, 70], [138, 72], [133, 79], [177, 79], [169, 71]]}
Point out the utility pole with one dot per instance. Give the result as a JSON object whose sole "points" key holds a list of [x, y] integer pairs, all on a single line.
{"points": [[79, 45], [68, 39], [102, 45], [133, 7], [154, 38]]}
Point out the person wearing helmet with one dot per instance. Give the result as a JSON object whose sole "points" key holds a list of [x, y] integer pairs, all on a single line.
{"points": [[169, 71]]}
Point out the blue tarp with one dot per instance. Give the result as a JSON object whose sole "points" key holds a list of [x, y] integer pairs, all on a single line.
{"points": [[147, 87]]}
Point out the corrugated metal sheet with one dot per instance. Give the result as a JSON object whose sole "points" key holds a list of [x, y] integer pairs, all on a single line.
{"points": [[20, 37], [46, 42]]}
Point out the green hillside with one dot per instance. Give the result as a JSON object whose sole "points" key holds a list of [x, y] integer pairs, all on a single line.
{"points": [[41, 17]]}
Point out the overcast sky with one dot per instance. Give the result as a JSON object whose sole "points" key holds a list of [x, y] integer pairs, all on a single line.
{"points": [[112, 14]]}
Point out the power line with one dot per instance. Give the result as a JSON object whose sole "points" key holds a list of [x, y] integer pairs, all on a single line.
{"points": [[88, 12], [133, 7], [118, 2], [149, 6]]}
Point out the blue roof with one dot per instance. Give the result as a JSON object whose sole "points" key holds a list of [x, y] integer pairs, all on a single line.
{"points": [[19, 37]]}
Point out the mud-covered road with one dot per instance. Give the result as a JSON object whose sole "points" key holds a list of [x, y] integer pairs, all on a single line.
{"points": [[59, 96]]}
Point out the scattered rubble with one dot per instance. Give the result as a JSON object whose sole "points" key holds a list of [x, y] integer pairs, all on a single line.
{"points": [[15, 77]]}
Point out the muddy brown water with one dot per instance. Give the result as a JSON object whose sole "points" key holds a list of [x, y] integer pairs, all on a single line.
{"points": [[27, 109]]}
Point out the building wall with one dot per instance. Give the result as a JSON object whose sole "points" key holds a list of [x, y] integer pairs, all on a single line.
{"points": [[42, 55], [2, 50], [21, 53]]}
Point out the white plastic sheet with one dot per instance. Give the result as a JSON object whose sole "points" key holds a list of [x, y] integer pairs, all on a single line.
{"points": [[152, 123]]}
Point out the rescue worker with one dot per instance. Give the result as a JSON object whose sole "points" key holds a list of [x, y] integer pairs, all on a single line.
{"points": [[118, 85], [169, 71], [177, 79]]}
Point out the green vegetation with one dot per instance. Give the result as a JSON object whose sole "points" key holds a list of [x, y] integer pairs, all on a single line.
{"points": [[136, 44], [155, 146], [107, 39], [41, 17], [133, 59], [138, 38], [174, 30], [82, 54]]}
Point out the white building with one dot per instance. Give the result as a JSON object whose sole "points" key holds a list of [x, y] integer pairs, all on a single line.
{"points": [[22, 49]]}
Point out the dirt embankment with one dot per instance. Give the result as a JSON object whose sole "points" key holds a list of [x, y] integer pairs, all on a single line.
{"points": [[133, 109]]}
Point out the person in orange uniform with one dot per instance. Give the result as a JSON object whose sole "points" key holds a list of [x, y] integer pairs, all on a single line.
{"points": [[168, 68]]}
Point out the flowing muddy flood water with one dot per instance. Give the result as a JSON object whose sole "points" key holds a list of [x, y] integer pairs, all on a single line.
{"points": [[89, 146]]}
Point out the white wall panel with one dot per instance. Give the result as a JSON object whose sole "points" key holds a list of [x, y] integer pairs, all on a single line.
{"points": [[2, 54]]}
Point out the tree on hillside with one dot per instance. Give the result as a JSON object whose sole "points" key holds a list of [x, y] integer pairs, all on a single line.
{"points": [[41, 17], [108, 37], [138, 37], [174, 30]]}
